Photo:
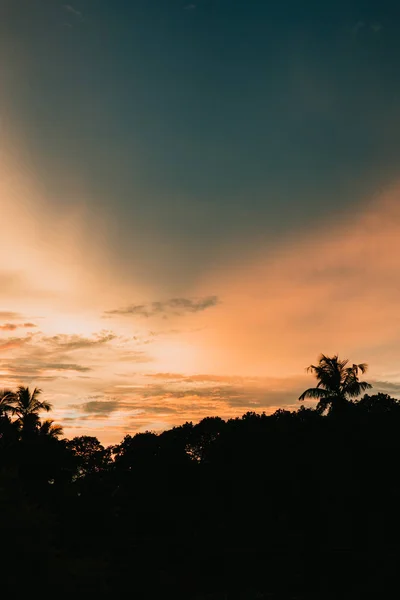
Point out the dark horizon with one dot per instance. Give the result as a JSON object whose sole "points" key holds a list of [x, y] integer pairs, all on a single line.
{"points": [[298, 504]]}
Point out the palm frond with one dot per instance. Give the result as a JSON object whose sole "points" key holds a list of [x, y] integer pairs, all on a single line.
{"points": [[36, 392], [47, 428], [357, 387], [46, 406], [7, 399], [315, 394]]}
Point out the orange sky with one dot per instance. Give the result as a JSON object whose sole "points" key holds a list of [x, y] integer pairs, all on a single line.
{"points": [[116, 356]]}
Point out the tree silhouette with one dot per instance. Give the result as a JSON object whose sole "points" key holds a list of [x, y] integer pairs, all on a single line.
{"points": [[337, 383], [8, 430], [181, 501], [91, 456], [7, 399], [27, 407], [48, 429]]}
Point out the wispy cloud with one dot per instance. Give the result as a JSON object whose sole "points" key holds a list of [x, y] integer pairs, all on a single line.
{"points": [[362, 26], [14, 326], [376, 27], [179, 398], [15, 342], [103, 407], [71, 9], [8, 314], [77, 342], [174, 306], [36, 369], [358, 26]]}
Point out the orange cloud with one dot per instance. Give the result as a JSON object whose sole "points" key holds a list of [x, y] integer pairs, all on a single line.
{"points": [[14, 326]]}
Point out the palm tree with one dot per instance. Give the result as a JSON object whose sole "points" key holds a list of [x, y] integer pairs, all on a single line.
{"points": [[27, 407], [337, 383], [7, 399], [48, 429], [8, 432]]}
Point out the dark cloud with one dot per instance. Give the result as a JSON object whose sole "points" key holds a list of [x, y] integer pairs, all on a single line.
{"points": [[159, 410], [179, 394], [240, 396], [174, 306], [103, 407], [23, 376], [386, 387], [29, 368], [64, 367], [180, 398]]}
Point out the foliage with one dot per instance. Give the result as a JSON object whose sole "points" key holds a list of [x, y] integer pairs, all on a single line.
{"points": [[285, 505]]}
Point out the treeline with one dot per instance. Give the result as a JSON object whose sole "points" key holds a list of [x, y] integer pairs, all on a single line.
{"points": [[297, 504]]}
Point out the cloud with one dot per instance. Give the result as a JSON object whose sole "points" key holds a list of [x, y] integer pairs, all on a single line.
{"points": [[22, 370], [39, 356], [134, 356], [15, 342], [386, 387], [36, 368], [175, 306], [102, 407], [7, 314], [73, 11], [64, 367], [375, 27], [225, 396], [77, 342], [171, 399], [358, 26], [13, 326], [164, 376], [199, 396], [8, 327]]}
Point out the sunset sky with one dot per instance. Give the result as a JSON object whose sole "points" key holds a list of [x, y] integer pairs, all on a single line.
{"points": [[197, 199]]}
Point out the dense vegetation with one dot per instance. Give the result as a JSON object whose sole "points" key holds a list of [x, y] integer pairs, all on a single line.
{"points": [[298, 504]]}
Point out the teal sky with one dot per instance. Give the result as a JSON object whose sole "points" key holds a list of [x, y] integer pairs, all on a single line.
{"points": [[209, 126]]}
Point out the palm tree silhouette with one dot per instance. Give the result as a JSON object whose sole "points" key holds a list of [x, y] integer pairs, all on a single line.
{"points": [[7, 400], [27, 407], [48, 429], [337, 383]]}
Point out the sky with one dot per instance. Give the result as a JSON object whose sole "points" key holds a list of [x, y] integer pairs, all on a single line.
{"points": [[198, 198]]}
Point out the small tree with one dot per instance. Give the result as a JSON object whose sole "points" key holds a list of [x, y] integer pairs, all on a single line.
{"points": [[337, 383], [27, 407]]}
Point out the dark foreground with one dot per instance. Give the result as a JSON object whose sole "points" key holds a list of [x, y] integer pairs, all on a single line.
{"points": [[292, 505]]}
